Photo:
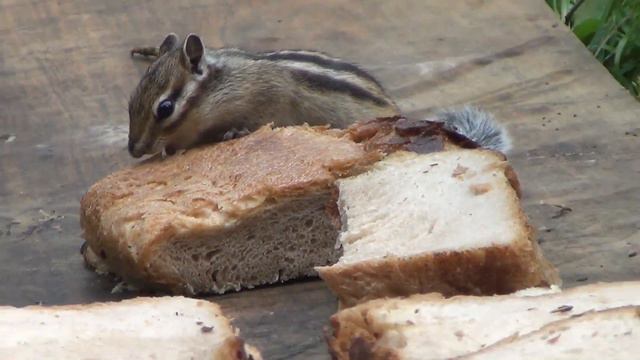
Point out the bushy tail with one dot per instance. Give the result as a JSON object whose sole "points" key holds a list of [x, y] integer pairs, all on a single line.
{"points": [[477, 125]]}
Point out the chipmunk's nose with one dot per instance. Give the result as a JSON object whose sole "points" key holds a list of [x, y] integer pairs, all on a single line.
{"points": [[136, 153]]}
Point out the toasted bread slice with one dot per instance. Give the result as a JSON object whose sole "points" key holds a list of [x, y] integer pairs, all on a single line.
{"points": [[447, 222], [239, 214], [143, 328], [606, 334], [252, 211], [430, 326]]}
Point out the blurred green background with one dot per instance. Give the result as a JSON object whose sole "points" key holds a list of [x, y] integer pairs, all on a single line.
{"points": [[610, 29]]}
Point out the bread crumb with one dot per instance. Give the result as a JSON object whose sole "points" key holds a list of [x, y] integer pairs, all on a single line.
{"points": [[554, 340], [459, 171], [563, 308], [479, 189], [206, 329]]}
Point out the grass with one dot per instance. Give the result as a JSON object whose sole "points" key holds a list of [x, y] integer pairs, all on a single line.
{"points": [[610, 29]]}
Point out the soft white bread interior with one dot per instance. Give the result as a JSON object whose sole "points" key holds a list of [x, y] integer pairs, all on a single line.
{"points": [[142, 328], [448, 222], [606, 334], [430, 326]]}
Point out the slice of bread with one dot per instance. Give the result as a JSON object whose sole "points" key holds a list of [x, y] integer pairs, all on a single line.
{"points": [[239, 214], [430, 326], [143, 328], [607, 334], [256, 210], [447, 222]]}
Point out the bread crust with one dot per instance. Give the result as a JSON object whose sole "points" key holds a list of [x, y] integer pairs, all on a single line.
{"points": [[484, 271], [235, 348]]}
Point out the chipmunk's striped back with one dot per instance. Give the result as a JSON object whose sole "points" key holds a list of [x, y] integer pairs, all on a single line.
{"points": [[319, 71]]}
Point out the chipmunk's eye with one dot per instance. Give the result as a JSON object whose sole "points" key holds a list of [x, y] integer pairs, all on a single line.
{"points": [[165, 109]]}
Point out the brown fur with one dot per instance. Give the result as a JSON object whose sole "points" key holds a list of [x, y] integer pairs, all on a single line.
{"points": [[166, 72], [245, 90]]}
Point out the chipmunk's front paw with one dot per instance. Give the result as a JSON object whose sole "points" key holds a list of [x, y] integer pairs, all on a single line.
{"points": [[235, 133]]}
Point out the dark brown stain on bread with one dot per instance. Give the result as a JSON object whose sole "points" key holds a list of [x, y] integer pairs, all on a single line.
{"points": [[391, 134], [360, 349]]}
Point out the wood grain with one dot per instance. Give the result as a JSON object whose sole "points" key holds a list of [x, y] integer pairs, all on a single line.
{"points": [[65, 77]]}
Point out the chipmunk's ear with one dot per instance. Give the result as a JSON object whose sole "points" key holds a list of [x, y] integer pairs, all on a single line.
{"points": [[169, 43], [193, 50]]}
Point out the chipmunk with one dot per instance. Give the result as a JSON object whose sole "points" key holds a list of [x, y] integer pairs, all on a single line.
{"points": [[191, 95]]}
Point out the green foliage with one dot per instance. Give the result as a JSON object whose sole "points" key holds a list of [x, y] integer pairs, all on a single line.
{"points": [[611, 30]]}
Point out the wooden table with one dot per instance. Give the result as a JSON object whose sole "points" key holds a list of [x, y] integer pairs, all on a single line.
{"points": [[65, 77]]}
